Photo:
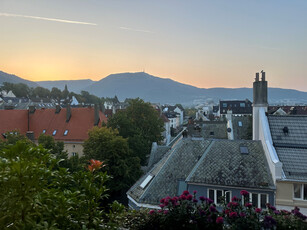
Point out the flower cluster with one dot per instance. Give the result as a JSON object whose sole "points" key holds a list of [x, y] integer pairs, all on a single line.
{"points": [[201, 213], [95, 165]]}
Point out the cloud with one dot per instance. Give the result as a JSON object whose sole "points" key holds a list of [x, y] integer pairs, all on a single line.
{"points": [[47, 19], [136, 30]]}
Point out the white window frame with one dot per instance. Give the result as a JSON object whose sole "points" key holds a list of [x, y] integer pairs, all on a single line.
{"points": [[259, 198], [302, 192], [224, 191]]}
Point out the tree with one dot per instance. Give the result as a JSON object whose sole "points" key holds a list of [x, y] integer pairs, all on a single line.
{"points": [[56, 93], [106, 145], [20, 89], [141, 124]]}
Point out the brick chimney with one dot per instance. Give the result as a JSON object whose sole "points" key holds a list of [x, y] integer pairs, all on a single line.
{"points": [[68, 113], [57, 108], [96, 115], [31, 109]]}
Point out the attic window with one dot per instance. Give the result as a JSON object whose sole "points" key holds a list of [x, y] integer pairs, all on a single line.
{"points": [[66, 132], [146, 181], [242, 105], [54, 132], [211, 133], [240, 123], [44, 131], [243, 150]]}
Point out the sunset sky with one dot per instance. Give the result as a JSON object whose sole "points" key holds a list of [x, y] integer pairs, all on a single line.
{"points": [[203, 43]]}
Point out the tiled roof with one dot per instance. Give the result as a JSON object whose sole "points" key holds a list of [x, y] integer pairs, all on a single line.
{"points": [[292, 110], [241, 126], [225, 165], [81, 121], [294, 162], [297, 130], [13, 120], [214, 129], [216, 162], [235, 107], [290, 144]]}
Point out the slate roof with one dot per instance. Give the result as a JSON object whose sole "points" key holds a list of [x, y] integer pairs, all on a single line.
{"points": [[224, 164], [297, 130], [216, 162], [214, 129], [242, 132], [291, 147], [236, 107], [291, 110]]}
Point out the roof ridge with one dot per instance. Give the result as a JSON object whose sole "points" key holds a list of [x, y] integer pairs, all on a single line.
{"points": [[200, 160], [171, 152]]}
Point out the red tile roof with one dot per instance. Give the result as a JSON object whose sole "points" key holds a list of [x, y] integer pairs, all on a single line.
{"points": [[13, 120], [81, 121]]}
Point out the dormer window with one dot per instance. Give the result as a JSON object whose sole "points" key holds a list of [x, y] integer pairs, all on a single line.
{"points": [[54, 132], [243, 149], [66, 132]]}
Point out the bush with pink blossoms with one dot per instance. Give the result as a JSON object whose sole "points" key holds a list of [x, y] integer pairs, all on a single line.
{"points": [[186, 212]]}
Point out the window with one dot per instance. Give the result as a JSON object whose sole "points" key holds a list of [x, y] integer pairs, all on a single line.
{"points": [[146, 181], [243, 150], [211, 133], [54, 132], [44, 131], [74, 154], [300, 191], [66, 132], [258, 200], [224, 105], [217, 195], [242, 105], [240, 123]]}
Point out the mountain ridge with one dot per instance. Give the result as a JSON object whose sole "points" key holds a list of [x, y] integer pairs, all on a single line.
{"points": [[162, 90]]}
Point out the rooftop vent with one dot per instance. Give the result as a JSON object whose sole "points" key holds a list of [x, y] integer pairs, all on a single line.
{"points": [[286, 130]]}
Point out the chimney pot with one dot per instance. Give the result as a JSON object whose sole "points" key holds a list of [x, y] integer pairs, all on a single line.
{"points": [[68, 113], [57, 108], [96, 115], [257, 77]]}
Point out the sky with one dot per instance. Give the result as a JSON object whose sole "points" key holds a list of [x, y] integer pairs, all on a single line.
{"points": [[217, 43]]}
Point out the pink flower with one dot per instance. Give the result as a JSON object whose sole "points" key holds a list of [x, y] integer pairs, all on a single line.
{"points": [[244, 193], [233, 215], [186, 192], [232, 204], [195, 200], [258, 210], [165, 212], [234, 198], [212, 209], [194, 192], [219, 220], [162, 205], [202, 198], [248, 205], [151, 212], [162, 200], [189, 197], [182, 197]]}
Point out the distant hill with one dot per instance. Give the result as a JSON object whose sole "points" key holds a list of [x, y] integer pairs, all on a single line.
{"points": [[160, 90], [155, 89], [73, 85], [5, 77]]}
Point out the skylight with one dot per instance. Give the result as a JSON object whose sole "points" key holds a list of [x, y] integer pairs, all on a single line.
{"points": [[146, 181], [54, 132], [243, 150], [240, 123], [66, 132], [44, 131]]}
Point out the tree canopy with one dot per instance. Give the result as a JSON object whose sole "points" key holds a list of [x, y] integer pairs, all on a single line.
{"points": [[106, 145], [141, 124]]}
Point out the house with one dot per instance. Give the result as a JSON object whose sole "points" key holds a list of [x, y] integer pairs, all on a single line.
{"points": [[287, 110], [69, 125], [284, 140], [214, 168], [168, 109], [238, 107]]}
